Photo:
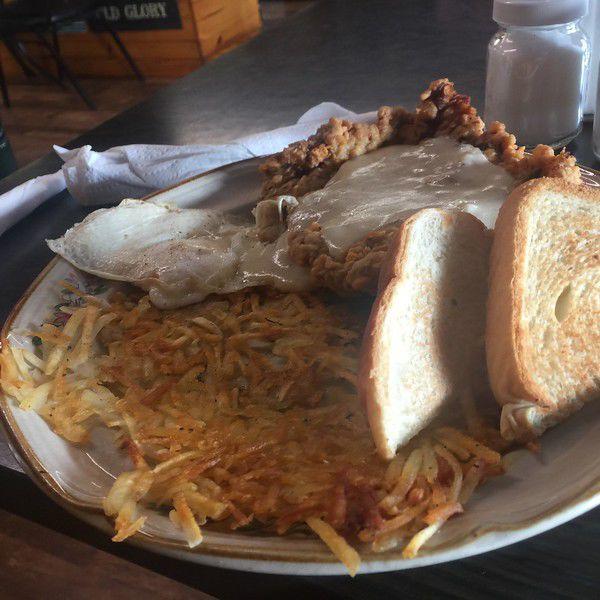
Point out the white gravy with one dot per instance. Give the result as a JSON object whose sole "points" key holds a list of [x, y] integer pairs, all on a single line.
{"points": [[389, 184]]}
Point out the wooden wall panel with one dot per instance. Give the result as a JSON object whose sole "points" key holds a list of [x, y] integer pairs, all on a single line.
{"points": [[220, 23]]}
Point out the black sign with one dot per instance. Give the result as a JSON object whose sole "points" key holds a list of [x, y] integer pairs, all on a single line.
{"points": [[132, 15]]}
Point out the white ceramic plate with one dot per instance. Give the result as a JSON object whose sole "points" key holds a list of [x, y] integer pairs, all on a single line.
{"points": [[537, 493]]}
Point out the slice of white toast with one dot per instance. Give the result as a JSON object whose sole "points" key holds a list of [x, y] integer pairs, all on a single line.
{"points": [[543, 323], [424, 343]]}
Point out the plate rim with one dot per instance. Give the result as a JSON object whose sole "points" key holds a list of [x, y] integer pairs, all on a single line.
{"points": [[265, 561]]}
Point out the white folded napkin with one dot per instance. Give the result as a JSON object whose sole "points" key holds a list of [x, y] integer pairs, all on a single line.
{"points": [[95, 178]]}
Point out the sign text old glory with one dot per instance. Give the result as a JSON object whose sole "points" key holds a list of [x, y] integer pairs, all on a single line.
{"points": [[140, 15]]}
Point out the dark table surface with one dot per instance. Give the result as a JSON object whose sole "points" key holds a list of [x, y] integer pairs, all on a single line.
{"points": [[361, 54]]}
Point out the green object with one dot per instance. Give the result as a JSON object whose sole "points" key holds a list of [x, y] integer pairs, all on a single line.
{"points": [[8, 164]]}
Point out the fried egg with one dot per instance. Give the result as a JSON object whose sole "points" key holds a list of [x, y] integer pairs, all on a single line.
{"points": [[179, 256]]}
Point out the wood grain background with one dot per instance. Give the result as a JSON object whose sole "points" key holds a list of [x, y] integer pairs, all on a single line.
{"points": [[209, 28]]}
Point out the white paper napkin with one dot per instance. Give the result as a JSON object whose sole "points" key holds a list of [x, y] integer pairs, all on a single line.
{"points": [[95, 178], [21, 200]]}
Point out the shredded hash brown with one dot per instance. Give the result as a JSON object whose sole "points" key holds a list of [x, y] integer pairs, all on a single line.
{"points": [[243, 409]]}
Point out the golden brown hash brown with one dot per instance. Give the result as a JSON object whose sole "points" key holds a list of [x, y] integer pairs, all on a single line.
{"points": [[307, 165], [244, 409]]}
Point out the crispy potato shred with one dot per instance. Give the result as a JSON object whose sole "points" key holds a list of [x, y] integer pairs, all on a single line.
{"points": [[243, 409]]}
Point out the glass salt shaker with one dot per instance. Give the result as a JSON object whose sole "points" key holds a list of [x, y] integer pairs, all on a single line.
{"points": [[537, 70]]}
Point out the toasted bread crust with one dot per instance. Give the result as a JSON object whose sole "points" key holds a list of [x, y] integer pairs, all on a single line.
{"points": [[507, 341], [374, 366], [502, 346], [373, 371]]}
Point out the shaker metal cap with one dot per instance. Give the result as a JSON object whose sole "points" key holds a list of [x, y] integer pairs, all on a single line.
{"points": [[538, 12]]}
